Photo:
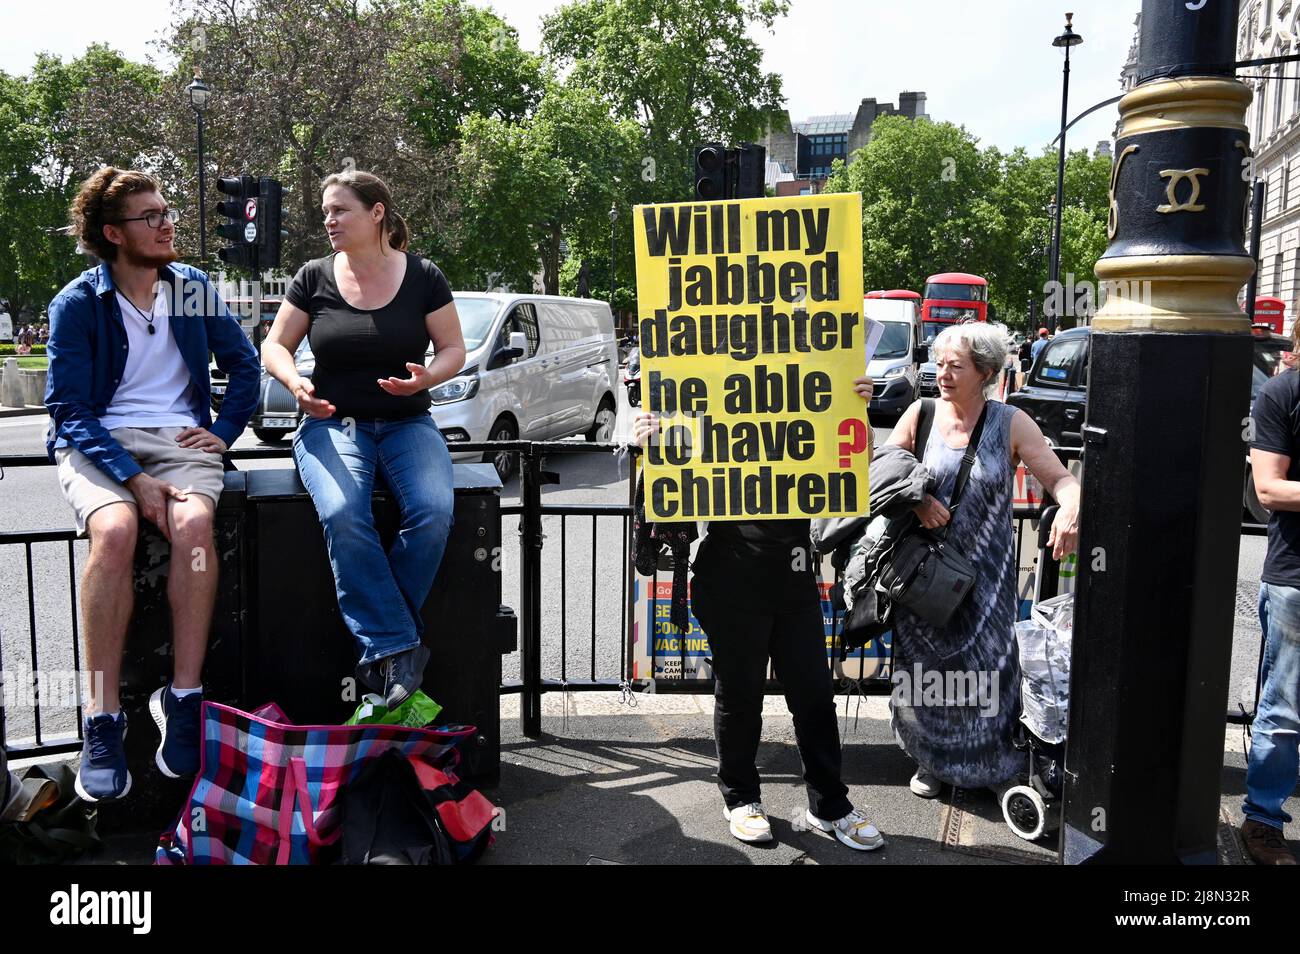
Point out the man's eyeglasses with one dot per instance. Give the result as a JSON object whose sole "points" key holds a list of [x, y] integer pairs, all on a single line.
{"points": [[155, 219]]}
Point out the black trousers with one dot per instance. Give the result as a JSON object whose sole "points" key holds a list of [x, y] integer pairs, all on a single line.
{"points": [[750, 614]]}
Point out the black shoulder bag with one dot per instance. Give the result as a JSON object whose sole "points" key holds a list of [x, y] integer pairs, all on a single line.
{"points": [[926, 573]]}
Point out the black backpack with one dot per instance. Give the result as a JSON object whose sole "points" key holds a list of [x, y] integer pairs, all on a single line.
{"points": [[400, 811]]}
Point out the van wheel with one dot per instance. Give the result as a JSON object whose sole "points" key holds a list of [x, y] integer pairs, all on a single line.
{"points": [[1258, 512], [602, 428], [268, 436], [504, 461]]}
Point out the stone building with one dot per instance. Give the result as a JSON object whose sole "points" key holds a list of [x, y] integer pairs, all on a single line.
{"points": [[1268, 28], [806, 149]]}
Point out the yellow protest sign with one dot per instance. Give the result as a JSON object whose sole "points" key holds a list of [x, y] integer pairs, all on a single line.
{"points": [[750, 320]]}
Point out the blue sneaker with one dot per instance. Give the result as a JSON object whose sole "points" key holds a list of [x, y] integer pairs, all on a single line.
{"points": [[178, 721], [103, 775]]}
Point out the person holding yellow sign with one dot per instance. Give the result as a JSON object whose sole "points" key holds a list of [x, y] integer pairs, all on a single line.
{"points": [[754, 592], [750, 323]]}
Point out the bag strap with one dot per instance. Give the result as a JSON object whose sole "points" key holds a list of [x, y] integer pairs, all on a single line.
{"points": [[924, 421], [967, 462]]}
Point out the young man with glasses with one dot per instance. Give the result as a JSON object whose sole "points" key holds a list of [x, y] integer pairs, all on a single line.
{"points": [[130, 428]]}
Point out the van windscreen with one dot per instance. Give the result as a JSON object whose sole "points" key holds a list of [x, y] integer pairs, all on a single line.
{"points": [[476, 316], [895, 341]]}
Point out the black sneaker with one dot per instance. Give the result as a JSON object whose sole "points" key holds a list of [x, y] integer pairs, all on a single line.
{"points": [[403, 672], [370, 676], [102, 775], [178, 721]]}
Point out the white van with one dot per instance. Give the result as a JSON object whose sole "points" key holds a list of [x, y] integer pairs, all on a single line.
{"points": [[537, 367], [893, 367]]}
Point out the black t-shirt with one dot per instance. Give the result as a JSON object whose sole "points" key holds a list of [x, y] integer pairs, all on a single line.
{"points": [[354, 348], [760, 561], [1277, 429], [762, 539]]}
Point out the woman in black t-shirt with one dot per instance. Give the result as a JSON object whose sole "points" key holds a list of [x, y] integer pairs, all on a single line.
{"points": [[370, 310]]}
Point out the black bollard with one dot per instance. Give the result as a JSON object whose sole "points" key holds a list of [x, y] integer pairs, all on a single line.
{"points": [[1168, 391]]}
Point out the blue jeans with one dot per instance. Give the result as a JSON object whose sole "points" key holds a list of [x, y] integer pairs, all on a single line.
{"points": [[1274, 749], [380, 594]]}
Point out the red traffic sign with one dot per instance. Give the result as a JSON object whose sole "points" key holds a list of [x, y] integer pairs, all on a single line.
{"points": [[250, 209]]}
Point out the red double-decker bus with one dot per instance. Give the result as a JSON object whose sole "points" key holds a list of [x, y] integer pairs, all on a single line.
{"points": [[903, 293], [951, 298]]}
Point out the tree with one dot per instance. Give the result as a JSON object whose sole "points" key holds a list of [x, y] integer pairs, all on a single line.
{"points": [[1026, 188], [48, 145], [493, 76], [299, 103], [686, 70], [933, 201], [528, 188], [926, 201]]}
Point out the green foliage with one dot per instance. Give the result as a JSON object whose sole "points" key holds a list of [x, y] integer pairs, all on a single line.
{"points": [[925, 201], [493, 75], [933, 201], [687, 71], [49, 142]]}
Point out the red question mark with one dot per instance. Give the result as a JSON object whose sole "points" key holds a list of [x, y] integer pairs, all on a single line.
{"points": [[856, 443]]}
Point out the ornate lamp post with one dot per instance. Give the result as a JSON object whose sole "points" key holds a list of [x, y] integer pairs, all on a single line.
{"points": [[1065, 41], [199, 93]]}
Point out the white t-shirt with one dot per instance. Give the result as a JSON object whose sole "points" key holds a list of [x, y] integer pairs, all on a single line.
{"points": [[155, 390]]}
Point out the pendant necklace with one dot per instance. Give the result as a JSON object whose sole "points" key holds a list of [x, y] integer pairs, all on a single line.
{"points": [[147, 318]]}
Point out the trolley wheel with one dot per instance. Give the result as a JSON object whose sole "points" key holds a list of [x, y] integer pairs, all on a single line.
{"points": [[1024, 811]]}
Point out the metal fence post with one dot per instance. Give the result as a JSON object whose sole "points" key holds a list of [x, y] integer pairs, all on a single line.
{"points": [[531, 540]]}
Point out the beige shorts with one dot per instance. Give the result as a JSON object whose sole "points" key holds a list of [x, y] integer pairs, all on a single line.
{"points": [[87, 488]]}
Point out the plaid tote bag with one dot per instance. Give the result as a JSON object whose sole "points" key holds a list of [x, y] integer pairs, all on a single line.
{"points": [[269, 792]]}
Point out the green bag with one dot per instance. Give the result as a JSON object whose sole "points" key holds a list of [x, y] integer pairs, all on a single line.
{"points": [[416, 712], [56, 834]]}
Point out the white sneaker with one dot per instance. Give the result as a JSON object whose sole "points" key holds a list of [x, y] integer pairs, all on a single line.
{"points": [[924, 784], [853, 830], [749, 822]]}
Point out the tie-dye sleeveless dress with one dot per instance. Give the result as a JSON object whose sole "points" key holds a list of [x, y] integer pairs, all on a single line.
{"points": [[960, 729]]}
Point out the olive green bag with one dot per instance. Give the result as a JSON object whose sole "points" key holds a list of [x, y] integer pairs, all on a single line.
{"points": [[57, 833]]}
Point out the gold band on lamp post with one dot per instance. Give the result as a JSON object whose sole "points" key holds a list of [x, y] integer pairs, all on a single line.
{"points": [[1194, 102], [1173, 293]]}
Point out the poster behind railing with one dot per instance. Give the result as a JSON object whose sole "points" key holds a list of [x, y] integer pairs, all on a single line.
{"points": [[660, 651]]}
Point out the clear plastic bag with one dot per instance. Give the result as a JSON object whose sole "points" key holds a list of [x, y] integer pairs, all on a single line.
{"points": [[1044, 640]]}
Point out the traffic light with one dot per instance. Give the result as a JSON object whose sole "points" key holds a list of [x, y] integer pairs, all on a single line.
{"points": [[241, 228], [269, 192], [751, 171], [736, 173], [711, 171]]}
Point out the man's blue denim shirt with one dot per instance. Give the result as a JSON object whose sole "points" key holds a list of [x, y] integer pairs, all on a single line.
{"points": [[87, 357]]}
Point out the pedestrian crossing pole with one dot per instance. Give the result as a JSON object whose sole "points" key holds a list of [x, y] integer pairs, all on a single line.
{"points": [[1165, 447]]}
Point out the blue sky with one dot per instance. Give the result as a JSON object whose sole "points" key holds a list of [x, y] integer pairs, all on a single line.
{"points": [[985, 64]]}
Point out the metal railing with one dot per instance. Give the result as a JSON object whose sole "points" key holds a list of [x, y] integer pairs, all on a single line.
{"points": [[538, 674]]}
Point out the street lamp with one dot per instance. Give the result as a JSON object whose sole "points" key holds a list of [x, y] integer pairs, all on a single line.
{"points": [[1066, 40], [199, 93], [613, 217]]}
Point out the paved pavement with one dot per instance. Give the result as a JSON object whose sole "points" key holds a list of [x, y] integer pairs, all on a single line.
{"points": [[608, 783]]}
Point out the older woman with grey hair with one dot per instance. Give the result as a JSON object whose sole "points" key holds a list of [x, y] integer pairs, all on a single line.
{"points": [[965, 739]]}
